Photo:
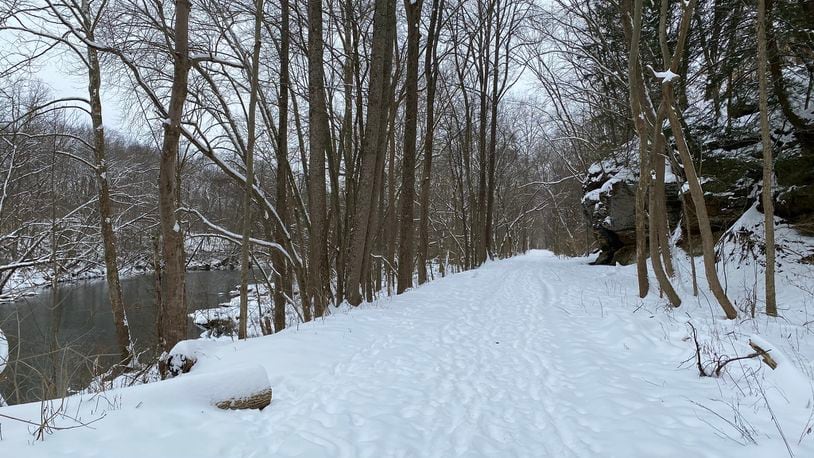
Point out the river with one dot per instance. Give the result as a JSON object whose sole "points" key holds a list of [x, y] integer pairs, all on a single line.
{"points": [[59, 342]]}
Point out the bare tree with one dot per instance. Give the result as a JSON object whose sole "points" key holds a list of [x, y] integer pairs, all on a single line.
{"points": [[245, 245], [632, 23], [407, 227], [80, 22], [105, 203], [768, 169], [696, 192], [319, 143], [381, 59], [283, 281], [431, 71], [172, 319]]}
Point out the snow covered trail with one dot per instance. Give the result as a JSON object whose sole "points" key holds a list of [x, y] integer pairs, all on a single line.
{"points": [[533, 356]]}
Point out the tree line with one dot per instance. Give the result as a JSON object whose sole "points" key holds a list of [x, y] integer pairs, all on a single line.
{"points": [[354, 147]]}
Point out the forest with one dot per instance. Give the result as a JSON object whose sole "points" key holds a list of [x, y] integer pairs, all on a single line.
{"points": [[342, 154]]}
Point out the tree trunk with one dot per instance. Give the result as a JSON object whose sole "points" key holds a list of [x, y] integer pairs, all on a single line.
{"points": [[639, 122], [690, 247], [391, 222], [283, 281], [173, 311], [697, 194], [346, 146], [318, 144], [105, 202], [484, 39], [655, 245], [407, 227], [245, 245], [431, 77], [381, 148], [768, 169], [490, 186], [380, 61]]}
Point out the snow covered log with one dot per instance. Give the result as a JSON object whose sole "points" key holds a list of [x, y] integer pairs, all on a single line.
{"points": [[242, 387]]}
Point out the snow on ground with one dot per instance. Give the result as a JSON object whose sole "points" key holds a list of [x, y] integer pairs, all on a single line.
{"points": [[532, 356]]}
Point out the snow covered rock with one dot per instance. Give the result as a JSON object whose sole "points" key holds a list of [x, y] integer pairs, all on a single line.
{"points": [[795, 183], [609, 205], [729, 181]]}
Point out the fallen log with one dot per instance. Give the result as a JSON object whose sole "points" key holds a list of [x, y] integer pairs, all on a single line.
{"points": [[258, 400], [238, 388]]}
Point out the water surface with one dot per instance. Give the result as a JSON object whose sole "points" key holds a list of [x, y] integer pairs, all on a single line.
{"points": [[59, 339]]}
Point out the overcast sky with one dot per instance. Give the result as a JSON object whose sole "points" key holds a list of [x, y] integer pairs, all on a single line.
{"points": [[60, 73]]}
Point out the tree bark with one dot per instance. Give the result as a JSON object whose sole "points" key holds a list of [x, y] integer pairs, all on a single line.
{"points": [[105, 202], [431, 77], [173, 321], [346, 146], [381, 57], [634, 71], [484, 64], [696, 191], [245, 245], [690, 247], [381, 148], [768, 169], [283, 281], [407, 227], [494, 100], [697, 194], [318, 144]]}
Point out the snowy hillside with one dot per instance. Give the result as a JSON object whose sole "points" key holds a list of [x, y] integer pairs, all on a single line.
{"points": [[530, 356]]}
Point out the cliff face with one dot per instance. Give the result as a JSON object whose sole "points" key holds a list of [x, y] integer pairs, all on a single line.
{"points": [[795, 199], [730, 168]]}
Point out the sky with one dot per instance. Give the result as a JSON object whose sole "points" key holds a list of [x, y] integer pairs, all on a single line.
{"points": [[59, 71]]}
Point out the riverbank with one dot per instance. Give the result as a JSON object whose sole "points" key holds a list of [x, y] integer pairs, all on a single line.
{"points": [[31, 281]]}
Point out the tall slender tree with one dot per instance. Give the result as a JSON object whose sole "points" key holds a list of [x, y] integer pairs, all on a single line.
{"points": [[431, 70], [318, 144], [283, 281], [407, 227], [245, 246], [105, 201], [377, 108], [172, 322], [768, 163]]}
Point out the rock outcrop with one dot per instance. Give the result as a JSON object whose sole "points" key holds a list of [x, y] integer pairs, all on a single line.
{"points": [[731, 170]]}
